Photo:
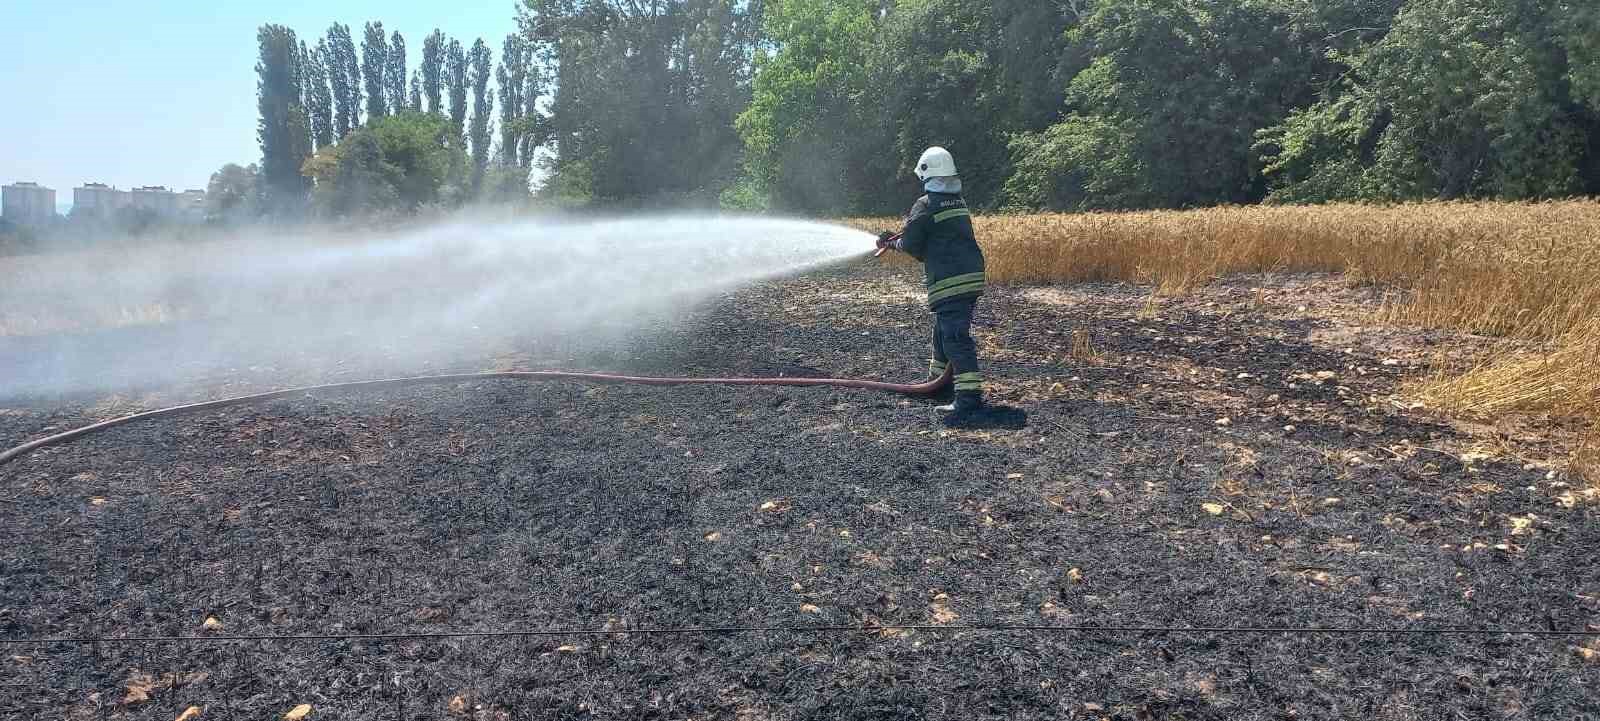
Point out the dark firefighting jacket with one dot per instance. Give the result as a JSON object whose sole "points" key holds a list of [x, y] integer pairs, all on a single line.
{"points": [[939, 233]]}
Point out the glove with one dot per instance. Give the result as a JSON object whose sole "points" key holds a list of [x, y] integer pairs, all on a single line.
{"points": [[885, 240]]}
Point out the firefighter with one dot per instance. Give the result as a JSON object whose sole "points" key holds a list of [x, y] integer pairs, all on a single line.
{"points": [[938, 232]]}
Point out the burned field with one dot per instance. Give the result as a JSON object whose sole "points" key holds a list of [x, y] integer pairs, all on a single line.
{"points": [[1242, 456]]}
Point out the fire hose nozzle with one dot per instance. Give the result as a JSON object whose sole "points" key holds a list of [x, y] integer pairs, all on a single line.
{"points": [[885, 248]]}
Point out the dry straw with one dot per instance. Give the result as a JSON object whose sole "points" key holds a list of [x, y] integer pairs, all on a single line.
{"points": [[1524, 271]]}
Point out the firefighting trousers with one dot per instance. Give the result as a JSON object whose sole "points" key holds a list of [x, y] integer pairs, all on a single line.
{"points": [[953, 344]]}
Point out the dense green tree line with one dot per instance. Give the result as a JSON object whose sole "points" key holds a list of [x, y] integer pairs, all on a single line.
{"points": [[1174, 103], [820, 106]]}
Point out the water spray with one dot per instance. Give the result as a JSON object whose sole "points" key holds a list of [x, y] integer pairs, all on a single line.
{"points": [[926, 388], [439, 296]]}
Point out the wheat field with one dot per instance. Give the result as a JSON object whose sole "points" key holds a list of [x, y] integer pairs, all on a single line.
{"points": [[1524, 271]]}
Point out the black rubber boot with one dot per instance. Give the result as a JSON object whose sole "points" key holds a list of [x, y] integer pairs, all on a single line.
{"points": [[967, 403], [945, 394]]}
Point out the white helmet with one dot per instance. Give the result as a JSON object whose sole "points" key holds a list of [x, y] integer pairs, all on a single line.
{"points": [[936, 163]]}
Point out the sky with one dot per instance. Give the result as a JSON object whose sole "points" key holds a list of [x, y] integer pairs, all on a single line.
{"points": [[163, 92]]}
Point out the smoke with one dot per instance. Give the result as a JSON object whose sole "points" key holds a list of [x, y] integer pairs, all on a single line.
{"points": [[317, 306]]}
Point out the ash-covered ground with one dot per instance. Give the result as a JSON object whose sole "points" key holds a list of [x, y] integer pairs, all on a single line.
{"points": [[1243, 456]]}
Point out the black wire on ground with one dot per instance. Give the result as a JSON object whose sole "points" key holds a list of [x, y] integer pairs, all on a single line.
{"points": [[731, 630]]}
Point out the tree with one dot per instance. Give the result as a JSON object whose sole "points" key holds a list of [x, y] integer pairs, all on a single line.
{"points": [[415, 105], [455, 79], [1031, 56], [504, 185], [645, 93], [233, 194], [854, 91], [399, 162], [433, 70], [345, 78], [394, 73], [535, 129], [134, 220], [319, 99], [1166, 111], [1579, 25], [362, 182], [282, 129], [946, 59], [374, 67], [1076, 164], [17, 239], [420, 145], [515, 56], [320, 169], [804, 127], [482, 108], [1495, 118]]}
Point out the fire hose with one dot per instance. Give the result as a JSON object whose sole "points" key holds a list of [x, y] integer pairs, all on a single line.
{"points": [[926, 388], [914, 389]]}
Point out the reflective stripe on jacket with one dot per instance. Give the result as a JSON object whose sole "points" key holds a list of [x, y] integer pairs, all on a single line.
{"points": [[939, 233]]}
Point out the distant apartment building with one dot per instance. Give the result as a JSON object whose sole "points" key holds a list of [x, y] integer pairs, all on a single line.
{"points": [[156, 199], [101, 200], [98, 200], [192, 205], [27, 203]]}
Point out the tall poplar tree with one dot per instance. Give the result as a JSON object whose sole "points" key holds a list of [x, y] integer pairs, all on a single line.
{"points": [[512, 79], [344, 77], [455, 80], [481, 67], [374, 64], [318, 97], [433, 70], [394, 73], [282, 129]]}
